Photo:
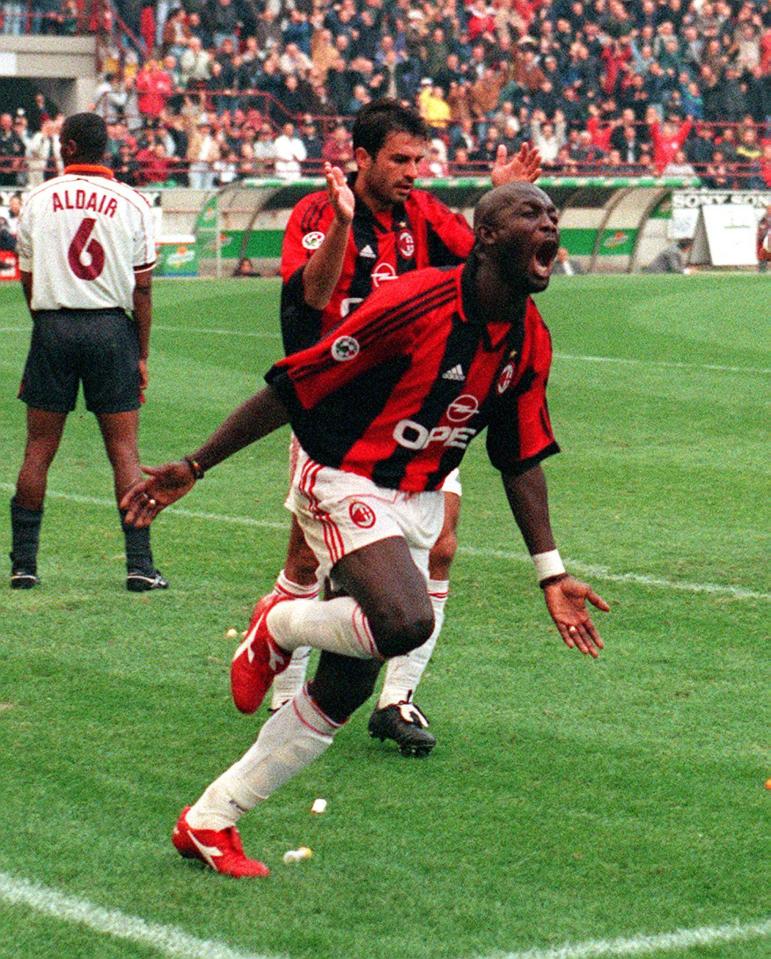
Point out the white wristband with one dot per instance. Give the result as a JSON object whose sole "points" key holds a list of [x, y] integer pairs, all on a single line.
{"points": [[547, 564]]}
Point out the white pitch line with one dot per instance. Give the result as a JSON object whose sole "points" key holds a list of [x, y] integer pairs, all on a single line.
{"points": [[175, 942], [664, 364], [602, 572], [586, 569], [644, 945], [262, 335], [167, 940]]}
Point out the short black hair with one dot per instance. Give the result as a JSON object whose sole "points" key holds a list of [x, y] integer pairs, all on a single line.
{"points": [[89, 131], [377, 119]]}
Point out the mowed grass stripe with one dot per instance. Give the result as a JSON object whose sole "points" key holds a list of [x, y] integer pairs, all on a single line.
{"points": [[172, 941], [587, 569]]}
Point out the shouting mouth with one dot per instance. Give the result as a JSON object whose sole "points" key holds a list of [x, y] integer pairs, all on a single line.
{"points": [[543, 259]]}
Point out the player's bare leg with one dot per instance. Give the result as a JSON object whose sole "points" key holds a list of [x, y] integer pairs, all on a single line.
{"points": [[119, 432], [297, 580], [396, 716], [44, 433], [387, 613]]}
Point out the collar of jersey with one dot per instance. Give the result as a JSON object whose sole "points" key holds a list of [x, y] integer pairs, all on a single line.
{"points": [[494, 333], [89, 169]]}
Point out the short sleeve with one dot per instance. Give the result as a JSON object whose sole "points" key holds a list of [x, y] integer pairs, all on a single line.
{"points": [[24, 239], [144, 237]]}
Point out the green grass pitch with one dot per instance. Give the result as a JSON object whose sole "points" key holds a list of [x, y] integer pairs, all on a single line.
{"points": [[567, 801]]}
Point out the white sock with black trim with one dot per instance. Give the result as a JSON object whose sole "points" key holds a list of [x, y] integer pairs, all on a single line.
{"points": [[287, 684], [403, 673], [338, 625], [288, 742]]}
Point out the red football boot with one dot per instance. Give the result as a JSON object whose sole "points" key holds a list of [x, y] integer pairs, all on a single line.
{"points": [[220, 849], [257, 660]]}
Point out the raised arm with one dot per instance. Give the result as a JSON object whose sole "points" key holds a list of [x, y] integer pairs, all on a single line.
{"points": [[565, 596], [259, 415], [323, 269]]}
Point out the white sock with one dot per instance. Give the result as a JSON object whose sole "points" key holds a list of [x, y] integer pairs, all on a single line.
{"points": [[287, 684], [403, 673], [338, 625], [288, 587], [288, 742]]}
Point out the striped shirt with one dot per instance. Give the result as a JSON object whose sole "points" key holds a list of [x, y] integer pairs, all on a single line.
{"points": [[398, 391]]}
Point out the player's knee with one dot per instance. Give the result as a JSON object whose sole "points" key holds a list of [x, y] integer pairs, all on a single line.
{"points": [[339, 693], [442, 555], [402, 629]]}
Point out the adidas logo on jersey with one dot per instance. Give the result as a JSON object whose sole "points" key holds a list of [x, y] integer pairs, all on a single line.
{"points": [[456, 373], [368, 252]]}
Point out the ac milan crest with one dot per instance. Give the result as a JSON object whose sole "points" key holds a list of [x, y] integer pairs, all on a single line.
{"points": [[361, 514]]}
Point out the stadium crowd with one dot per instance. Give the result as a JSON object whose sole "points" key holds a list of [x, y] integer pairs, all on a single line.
{"points": [[204, 92]]}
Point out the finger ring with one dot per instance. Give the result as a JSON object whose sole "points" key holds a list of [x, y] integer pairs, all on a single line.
{"points": [[571, 629], [152, 502]]}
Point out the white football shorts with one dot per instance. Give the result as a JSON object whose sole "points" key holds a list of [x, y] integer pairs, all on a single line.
{"points": [[341, 512], [452, 483]]}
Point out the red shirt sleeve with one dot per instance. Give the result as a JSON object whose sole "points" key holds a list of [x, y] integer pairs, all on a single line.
{"points": [[305, 232], [519, 438]]}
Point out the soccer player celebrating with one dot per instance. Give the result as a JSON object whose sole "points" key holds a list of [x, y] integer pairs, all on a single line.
{"points": [[380, 427], [341, 244], [86, 254]]}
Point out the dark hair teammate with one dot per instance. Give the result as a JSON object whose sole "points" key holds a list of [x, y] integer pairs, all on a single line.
{"points": [[341, 244]]}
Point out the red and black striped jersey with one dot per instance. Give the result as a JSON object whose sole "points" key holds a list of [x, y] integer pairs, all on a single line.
{"points": [[419, 233], [402, 386]]}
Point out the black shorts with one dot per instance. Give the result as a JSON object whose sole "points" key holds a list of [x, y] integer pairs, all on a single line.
{"points": [[98, 347]]}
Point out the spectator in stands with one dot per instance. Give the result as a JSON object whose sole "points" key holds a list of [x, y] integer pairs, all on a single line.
{"points": [[338, 149], [290, 153], [433, 165], [679, 166], [195, 63], [719, 174], [699, 146], [264, 151], [202, 153], [110, 98], [44, 158], [313, 145], [227, 169], [667, 138], [222, 21], [9, 223], [154, 87], [433, 106], [176, 33], [125, 166]]}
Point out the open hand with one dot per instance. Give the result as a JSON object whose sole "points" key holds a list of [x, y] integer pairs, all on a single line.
{"points": [[340, 194], [566, 602], [524, 166], [164, 486]]}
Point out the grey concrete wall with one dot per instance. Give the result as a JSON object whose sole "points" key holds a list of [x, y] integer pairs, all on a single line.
{"points": [[64, 67]]}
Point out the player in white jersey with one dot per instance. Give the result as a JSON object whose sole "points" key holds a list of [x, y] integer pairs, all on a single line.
{"points": [[86, 253]]}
